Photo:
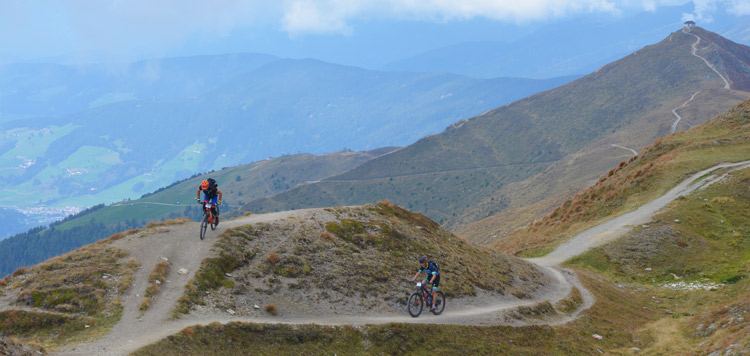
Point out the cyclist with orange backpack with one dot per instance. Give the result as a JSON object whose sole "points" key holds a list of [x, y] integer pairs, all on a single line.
{"points": [[211, 193]]}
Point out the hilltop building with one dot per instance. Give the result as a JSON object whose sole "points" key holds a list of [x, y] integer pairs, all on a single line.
{"points": [[689, 24]]}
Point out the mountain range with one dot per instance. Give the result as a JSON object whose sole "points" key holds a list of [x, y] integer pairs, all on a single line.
{"points": [[508, 165], [77, 137], [548, 145]]}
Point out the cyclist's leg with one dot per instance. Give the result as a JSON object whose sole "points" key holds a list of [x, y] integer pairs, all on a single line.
{"points": [[214, 210], [435, 285]]}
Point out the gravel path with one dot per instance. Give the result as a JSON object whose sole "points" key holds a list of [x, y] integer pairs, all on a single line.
{"points": [[612, 229], [182, 248]]}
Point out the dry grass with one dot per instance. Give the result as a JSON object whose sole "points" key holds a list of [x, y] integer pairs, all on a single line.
{"points": [[571, 302], [272, 258], [169, 222], [19, 272], [67, 291], [156, 277], [120, 235], [159, 273], [271, 309], [325, 235]]}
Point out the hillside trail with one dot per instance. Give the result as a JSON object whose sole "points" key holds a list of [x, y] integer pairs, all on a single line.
{"points": [[180, 246], [614, 228], [695, 53], [674, 111]]}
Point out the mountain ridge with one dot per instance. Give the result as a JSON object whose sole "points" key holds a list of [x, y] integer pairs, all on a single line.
{"points": [[521, 139]]}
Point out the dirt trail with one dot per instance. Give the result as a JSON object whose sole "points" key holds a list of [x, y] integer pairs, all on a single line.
{"points": [[634, 152], [695, 53], [612, 229], [674, 111], [180, 245]]}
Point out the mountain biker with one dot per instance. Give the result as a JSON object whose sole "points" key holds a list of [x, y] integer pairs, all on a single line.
{"points": [[431, 268], [211, 193]]}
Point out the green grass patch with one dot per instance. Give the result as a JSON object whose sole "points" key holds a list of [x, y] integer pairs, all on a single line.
{"points": [[709, 244], [233, 253]]}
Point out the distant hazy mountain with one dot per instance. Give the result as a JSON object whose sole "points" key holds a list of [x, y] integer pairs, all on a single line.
{"points": [[561, 138], [42, 89], [122, 135], [574, 47]]}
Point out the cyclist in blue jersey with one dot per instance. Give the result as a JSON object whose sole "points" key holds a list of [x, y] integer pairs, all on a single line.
{"points": [[433, 276], [211, 193]]}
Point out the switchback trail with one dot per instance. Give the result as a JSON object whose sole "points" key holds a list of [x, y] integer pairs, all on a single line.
{"points": [[179, 244], [695, 53]]}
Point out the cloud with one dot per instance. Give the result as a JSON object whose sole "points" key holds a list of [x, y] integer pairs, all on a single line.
{"points": [[740, 7], [121, 27], [333, 16], [705, 9], [127, 29]]}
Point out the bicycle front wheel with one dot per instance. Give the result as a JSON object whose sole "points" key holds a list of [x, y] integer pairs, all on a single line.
{"points": [[439, 303], [415, 304], [204, 226]]}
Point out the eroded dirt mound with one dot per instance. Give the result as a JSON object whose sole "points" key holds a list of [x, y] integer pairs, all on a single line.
{"points": [[347, 260]]}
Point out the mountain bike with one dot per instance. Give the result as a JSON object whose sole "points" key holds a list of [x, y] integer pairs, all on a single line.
{"points": [[423, 297], [208, 218]]}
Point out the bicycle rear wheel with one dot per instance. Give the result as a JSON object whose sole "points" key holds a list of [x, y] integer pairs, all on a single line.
{"points": [[415, 304], [439, 303], [204, 226], [213, 222]]}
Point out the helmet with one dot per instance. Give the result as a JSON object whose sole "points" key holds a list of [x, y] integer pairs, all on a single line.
{"points": [[422, 259], [204, 184]]}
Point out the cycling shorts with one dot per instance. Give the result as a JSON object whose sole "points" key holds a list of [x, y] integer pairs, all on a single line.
{"points": [[434, 284], [213, 200]]}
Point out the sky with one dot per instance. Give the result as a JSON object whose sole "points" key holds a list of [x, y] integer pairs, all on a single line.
{"points": [[126, 30]]}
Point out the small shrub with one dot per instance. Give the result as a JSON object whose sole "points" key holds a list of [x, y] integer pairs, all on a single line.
{"points": [[325, 235], [145, 304], [19, 272], [188, 331], [273, 258], [271, 309]]}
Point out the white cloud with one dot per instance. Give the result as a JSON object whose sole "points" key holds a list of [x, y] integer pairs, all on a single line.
{"points": [[327, 16], [134, 27], [740, 7]]}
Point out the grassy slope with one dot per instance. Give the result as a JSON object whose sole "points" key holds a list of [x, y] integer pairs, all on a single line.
{"points": [[70, 298], [708, 247], [654, 171], [446, 174]]}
